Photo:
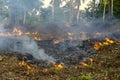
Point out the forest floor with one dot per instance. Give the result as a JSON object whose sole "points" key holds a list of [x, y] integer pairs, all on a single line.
{"points": [[105, 66]]}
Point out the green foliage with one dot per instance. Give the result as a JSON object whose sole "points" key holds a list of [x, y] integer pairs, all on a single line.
{"points": [[116, 8], [85, 77], [73, 78], [97, 10], [82, 77], [94, 10]]}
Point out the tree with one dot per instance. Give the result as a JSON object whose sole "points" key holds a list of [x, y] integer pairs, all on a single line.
{"points": [[18, 8], [78, 10], [55, 5], [110, 4], [105, 3], [107, 7]]}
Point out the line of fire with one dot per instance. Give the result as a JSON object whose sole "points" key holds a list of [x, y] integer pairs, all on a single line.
{"points": [[59, 40]]}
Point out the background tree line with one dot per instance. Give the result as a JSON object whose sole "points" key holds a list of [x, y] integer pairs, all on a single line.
{"points": [[32, 11]]}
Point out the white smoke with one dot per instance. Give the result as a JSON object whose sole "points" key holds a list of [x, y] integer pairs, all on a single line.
{"points": [[31, 47], [22, 44]]}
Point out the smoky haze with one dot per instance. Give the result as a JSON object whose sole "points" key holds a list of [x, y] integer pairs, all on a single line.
{"points": [[22, 44], [52, 22]]}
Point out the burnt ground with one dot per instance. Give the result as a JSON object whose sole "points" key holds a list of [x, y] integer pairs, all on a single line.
{"points": [[106, 66]]}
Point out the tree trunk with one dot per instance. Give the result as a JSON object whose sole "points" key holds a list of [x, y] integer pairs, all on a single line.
{"points": [[71, 12], [78, 12], [78, 15], [53, 9], [24, 18], [104, 10], [110, 6]]}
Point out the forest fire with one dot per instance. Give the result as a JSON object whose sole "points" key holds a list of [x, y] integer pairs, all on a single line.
{"points": [[84, 64], [24, 64], [18, 32], [58, 66], [98, 45], [56, 41]]}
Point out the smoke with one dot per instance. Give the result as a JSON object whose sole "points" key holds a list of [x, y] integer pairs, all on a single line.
{"points": [[31, 47], [59, 28], [22, 44]]}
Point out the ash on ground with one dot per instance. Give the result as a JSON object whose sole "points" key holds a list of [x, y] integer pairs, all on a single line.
{"points": [[68, 52]]}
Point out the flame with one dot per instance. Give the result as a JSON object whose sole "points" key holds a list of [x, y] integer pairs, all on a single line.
{"points": [[70, 33], [91, 59], [108, 40], [98, 45], [34, 33], [24, 64], [84, 64], [56, 41], [36, 38], [58, 66], [19, 32], [27, 33]]}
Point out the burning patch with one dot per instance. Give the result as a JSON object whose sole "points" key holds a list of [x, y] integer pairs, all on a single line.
{"points": [[98, 45]]}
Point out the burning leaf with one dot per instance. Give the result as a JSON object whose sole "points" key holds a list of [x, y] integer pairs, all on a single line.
{"points": [[28, 33], [84, 64], [58, 66], [36, 38], [108, 40], [24, 64], [90, 59], [56, 41], [19, 32], [98, 45]]}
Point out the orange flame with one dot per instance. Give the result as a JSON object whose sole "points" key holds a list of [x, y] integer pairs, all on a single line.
{"points": [[108, 40], [98, 45], [56, 41], [58, 66], [91, 59], [24, 64], [36, 38], [19, 32], [84, 64], [27, 33]]}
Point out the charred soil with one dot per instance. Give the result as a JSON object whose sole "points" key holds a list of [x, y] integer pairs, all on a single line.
{"points": [[105, 66]]}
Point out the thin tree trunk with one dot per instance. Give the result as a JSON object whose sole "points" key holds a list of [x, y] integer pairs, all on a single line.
{"points": [[78, 13], [53, 9], [94, 9], [71, 12], [24, 18], [104, 10], [110, 6]]}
